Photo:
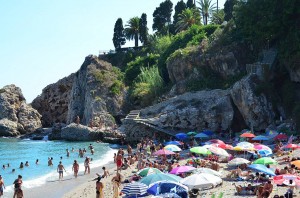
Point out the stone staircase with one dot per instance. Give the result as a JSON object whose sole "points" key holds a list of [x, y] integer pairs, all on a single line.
{"points": [[134, 114]]}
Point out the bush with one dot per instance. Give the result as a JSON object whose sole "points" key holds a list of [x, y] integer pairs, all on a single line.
{"points": [[148, 86], [116, 87]]}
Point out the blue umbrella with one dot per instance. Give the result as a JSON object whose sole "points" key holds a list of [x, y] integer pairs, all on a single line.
{"points": [[260, 138], [181, 136], [135, 189], [201, 135], [208, 132], [163, 187], [173, 142], [262, 168], [265, 153]]}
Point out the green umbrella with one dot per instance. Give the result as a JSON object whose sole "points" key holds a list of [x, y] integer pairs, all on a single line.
{"points": [[192, 133], [159, 177], [200, 150], [265, 160], [148, 171]]}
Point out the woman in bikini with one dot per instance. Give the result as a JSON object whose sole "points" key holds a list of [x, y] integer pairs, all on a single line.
{"points": [[75, 168], [116, 184], [87, 165]]}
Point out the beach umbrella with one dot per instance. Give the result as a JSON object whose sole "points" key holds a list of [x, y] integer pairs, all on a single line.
{"points": [[262, 147], [238, 161], [181, 169], [173, 148], [163, 187], [135, 189], [262, 168], [261, 138], [163, 152], [265, 153], [291, 146], [191, 133], [247, 135], [150, 179], [281, 137], [245, 145], [173, 143], [296, 163], [200, 150], [265, 160], [207, 170], [148, 171], [208, 132], [215, 141], [202, 180], [284, 179], [218, 151], [201, 135], [181, 136], [271, 133]]}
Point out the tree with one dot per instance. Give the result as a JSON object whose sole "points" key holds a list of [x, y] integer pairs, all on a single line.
{"points": [[162, 17], [187, 18], [190, 4], [228, 9], [180, 6], [143, 29], [218, 17], [132, 30], [119, 37], [206, 9]]}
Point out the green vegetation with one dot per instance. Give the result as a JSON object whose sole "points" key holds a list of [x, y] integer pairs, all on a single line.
{"points": [[148, 86], [119, 37], [132, 30], [162, 17]]}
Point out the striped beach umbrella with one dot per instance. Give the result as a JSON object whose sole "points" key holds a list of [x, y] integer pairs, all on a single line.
{"points": [[135, 189]]}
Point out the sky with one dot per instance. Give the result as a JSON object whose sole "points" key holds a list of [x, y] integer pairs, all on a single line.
{"points": [[42, 41]]}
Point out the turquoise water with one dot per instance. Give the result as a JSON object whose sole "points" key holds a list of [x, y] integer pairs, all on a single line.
{"points": [[14, 151]]}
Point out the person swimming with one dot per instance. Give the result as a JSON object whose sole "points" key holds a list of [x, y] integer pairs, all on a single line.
{"points": [[21, 165]]}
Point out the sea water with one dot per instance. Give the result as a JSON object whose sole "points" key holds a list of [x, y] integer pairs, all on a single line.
{"points": [[14, 151]]}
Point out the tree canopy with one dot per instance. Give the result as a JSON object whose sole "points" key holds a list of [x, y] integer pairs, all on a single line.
{"points": [[206, 9], [162, 17], [132, 30], [119, 37], [187, 18], [143, 29]]}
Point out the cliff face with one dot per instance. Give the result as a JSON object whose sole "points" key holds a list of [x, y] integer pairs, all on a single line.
{"points": [[88, 93], [16, 117], [54, 101], [235, 108]]}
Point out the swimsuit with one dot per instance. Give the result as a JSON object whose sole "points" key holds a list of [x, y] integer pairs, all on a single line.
{"points": [[60, 171]]}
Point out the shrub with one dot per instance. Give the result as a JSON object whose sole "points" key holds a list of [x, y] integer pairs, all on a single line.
{"points": [[116, 87]]}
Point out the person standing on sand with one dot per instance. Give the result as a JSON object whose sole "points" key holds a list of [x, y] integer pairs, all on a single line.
{"points": [[75, 168], [17, 184], [99, 188], [116, 184], [60, 170], [2, 186], [119, 161]]}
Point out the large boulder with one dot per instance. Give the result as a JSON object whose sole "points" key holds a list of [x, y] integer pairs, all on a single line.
{"points": [[16, 117], [192, 111], [53, 103], [255, 109], [78, 132]]}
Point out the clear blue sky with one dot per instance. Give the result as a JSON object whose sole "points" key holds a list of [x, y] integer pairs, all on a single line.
{"points": [[42, 41]]}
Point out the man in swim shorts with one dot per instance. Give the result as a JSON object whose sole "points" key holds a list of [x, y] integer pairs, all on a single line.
{"points": [[60, 170]]}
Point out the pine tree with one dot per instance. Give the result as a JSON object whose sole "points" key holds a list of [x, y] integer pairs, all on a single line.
{"points": [[190, 4], [143, 29], [119, 37], [162, 17], [180, 6]]}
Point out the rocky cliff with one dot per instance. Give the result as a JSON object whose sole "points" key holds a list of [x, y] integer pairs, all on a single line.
{"points": [[94, 93], [54, 101], [16, 117], [235, 108]]}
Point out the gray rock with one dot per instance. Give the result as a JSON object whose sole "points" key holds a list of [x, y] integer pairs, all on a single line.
{"points": [[256, 110], [78, 132], [16, 116]]}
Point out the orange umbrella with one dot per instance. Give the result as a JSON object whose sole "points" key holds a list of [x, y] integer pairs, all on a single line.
{"points": [[247, 135], [296, 163]]}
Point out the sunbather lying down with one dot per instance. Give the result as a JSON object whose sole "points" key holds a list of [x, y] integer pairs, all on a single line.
{"points": [[246, 190]]}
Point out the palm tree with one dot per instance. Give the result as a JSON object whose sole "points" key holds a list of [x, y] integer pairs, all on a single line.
{"points": [[132, 30], [206, 9], [187, 18]]}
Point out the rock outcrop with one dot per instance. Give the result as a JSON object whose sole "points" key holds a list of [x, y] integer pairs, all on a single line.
{"points": [[93, 93], [16, 117], [53, 103], [235, 108], [77, 132], [256, 110]]}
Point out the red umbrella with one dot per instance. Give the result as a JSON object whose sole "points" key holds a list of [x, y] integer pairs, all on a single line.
{"points": [[284, 179], [292, 146], [216, 141], [281, 137], [247, 135], [223, 146]]}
